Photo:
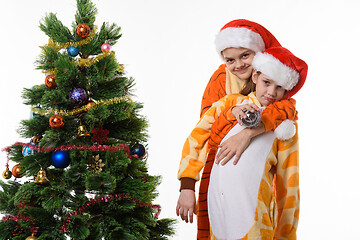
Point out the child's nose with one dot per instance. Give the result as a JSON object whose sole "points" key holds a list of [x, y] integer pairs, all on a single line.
{"points": [[272, 91], [239, 64]]}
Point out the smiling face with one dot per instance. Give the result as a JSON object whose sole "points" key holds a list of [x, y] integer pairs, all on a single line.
{"points": [[238, 61], [267, 90]]}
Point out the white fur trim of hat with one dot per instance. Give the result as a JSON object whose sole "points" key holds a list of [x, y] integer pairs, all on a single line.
{"points": [[275, 70], [239, 37]]}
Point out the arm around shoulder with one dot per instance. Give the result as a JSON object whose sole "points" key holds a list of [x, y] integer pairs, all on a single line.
{"points": [[277, 112]]}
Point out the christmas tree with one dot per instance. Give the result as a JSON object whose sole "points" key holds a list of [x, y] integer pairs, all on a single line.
{"points": [[83, 174]]}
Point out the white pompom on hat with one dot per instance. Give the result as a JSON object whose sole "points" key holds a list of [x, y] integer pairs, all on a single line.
{"points": [[285, 130], [246, 34]]}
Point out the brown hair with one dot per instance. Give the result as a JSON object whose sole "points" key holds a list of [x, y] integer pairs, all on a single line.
{"points": [[249, 87]]}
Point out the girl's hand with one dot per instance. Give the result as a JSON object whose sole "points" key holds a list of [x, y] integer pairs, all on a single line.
{"points": [[237, 144], [238, 111], [234, 146], [186, 205]]}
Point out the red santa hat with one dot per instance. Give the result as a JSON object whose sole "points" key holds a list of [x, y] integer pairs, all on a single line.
{"points": [[246, 34], [287, 70], [283, 67]]}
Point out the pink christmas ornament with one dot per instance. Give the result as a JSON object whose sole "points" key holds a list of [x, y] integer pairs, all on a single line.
{"points": [[105, 48]]}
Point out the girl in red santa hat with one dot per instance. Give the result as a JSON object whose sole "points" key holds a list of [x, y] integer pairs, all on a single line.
{"points": [[237, 42], [241, 199]]}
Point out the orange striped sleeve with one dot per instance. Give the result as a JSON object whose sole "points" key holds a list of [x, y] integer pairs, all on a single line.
{"points": [[195, 149], [276, 113], [214, 90]]}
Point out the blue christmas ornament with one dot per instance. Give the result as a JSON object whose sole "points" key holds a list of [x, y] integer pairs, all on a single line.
{"points": [[73, 51], [33, 114], [28, 150], [60, 159], [78, 96], [138, 149]]}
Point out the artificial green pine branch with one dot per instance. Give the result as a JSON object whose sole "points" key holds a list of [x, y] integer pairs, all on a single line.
{"points": [[86, 13], [7, 197], [54, 28], [162, 229], [32, 96], [46, 60], [109, 33], [33, 127], [67, 71], [103, 71]]}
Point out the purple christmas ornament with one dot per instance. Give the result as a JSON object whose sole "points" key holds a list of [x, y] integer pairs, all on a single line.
{"points": [[78, 96]]}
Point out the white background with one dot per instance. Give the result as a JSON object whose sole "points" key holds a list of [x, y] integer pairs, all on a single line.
{"points": [[167, 46]]}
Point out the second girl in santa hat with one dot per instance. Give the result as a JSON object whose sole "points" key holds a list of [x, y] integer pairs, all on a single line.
{"points": [[241, 199]]}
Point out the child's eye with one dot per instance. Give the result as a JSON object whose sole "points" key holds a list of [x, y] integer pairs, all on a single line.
{"points": [[246, 55], [279, 87], [266, 82], [229, 60]]}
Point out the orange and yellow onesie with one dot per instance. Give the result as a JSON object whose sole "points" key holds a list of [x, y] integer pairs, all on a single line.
{"points": [[223, 83], [264, 212]]}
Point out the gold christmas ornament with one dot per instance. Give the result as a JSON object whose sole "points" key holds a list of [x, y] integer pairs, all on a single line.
{"points": [[82, 132], [7, 173], [32, 237], [36, 139], [41, 177]]}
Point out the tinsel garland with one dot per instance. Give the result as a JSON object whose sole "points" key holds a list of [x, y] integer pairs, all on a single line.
{"points": [[121, 68], [94, 148], [81, 62], [7, 157], [106, 199], [87, 62], [78, 110], [22, 204], [24, 218], [58, 45], [19, 217]]}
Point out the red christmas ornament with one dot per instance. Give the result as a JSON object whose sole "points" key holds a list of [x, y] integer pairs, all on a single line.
{"points": [[99, 135], [16, 171], [56, 121], [50, 81], [83, 30]]}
